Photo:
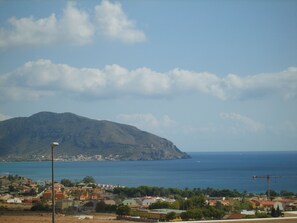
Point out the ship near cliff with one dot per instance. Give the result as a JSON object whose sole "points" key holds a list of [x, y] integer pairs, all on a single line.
{"points": [[80, 138]]}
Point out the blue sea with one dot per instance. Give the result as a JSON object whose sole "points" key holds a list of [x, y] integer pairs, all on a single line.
{"points": [[231, 170]]}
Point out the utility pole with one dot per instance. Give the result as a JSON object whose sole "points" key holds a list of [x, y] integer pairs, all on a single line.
{"points": [[53, 146]]}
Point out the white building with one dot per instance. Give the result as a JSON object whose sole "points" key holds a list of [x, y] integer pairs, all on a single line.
{"points": [[14, 200]]}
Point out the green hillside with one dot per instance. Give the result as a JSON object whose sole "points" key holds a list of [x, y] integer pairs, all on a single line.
{"points": [[29, 138]]}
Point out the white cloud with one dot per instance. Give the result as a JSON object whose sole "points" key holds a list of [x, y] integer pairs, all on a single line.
{"points": [[29, 31], [41, 78], [148, 122], [114, 24], [4, 117], [283, 83], [243, 123], [208, 83], [75, 27]]}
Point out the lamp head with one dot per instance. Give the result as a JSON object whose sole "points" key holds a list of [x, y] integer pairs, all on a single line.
{"points": [[54, 144]]}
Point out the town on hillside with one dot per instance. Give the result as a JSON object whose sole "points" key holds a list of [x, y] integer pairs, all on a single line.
{"points": [[142, 203]]}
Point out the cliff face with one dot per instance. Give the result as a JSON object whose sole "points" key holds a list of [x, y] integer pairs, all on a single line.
{"points": [[30, 139]]}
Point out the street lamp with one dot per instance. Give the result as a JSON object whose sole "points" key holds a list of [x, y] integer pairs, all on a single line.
{"points": [[53, 145]]}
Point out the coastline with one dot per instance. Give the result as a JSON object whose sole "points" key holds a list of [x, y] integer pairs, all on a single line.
{"points": [[233, 170], [86, 158]]}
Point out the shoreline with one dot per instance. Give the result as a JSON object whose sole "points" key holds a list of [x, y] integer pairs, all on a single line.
{"points": [[182, 158], [214, 170]]}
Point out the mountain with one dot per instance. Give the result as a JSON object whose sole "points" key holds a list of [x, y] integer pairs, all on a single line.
{"points": [[29, 138]]}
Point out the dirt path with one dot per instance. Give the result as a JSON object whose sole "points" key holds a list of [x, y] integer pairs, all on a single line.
{"points": [[33, 217]]}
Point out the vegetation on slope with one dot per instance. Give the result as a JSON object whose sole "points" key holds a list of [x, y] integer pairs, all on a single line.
{"points": [[30, 139]]}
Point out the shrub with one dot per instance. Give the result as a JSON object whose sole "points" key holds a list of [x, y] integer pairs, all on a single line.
{"points": [[123, 210], [40, 207]]}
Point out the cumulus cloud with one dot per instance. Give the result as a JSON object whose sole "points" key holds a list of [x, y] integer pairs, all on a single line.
{"points": [[149, 122], [283, 83], [28, 31], [146, 120], [75, 27], [114, 24], [42, 78], [208, 83], [243, 123]]}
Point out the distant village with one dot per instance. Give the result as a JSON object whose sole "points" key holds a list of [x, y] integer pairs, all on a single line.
{"points": [[19, 193], [82, 157], [79, 157]]}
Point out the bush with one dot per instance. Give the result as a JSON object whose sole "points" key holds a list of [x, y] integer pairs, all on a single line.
{"points": [[262, 215], [67, 183], [88, 180], [102, 207], [159, 205], [40, 207], [123, 210], [170, 216], [193, 214]]}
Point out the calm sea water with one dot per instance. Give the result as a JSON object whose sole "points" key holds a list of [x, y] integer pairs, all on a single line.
{"points": [[232, 170]]}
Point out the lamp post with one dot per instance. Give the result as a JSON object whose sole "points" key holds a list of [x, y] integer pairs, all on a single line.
{"points": [[53, 145]]}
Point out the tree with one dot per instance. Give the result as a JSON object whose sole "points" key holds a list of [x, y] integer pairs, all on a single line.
{"points": [[195, 214], [212, 213], [123, 210], [166, 192], [241, 205], [88, 179], [273, 193], [197, 201], [92, 185], [170, 216], [12, 188], [219, 206], [273, 212], [185, 216], [159, 205], [278, 211], [89, 204], [165, 204], [31, 192], [40, 207], [285, 193], [175, 205], [100, 206], [67, 183]]}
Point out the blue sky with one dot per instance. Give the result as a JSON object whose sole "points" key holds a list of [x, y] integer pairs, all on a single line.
{"points": [[207, 75]]}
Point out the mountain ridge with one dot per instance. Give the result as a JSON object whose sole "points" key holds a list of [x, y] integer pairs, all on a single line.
{"points": [[29, 138]]}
